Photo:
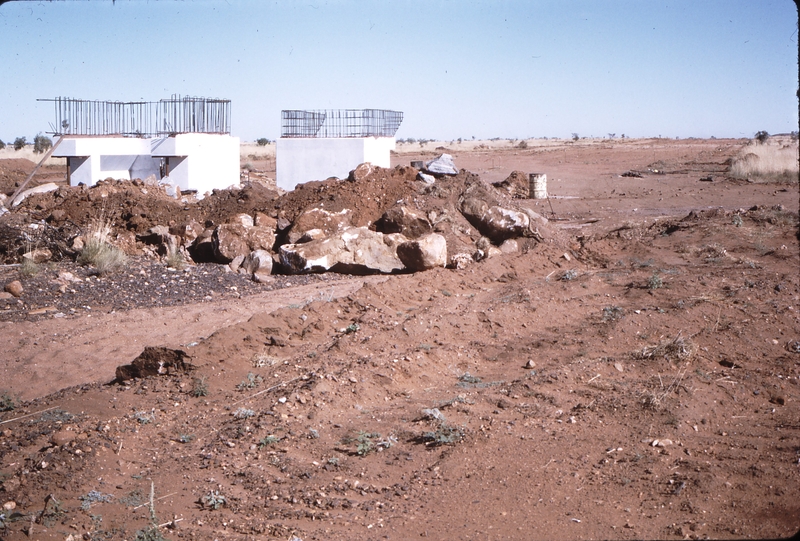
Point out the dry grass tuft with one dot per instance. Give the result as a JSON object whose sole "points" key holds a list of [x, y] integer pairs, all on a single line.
{"points": [[655, 398], [175, 259], [28, 268], [767, 163], [99, 252], [675, 349]]}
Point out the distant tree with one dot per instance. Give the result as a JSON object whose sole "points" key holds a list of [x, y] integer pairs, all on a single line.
{"points": [[793, 136], [612, 135], [761, 137], [2, 145], [575, 136], [42, 144], [19, 143], [622, 136], [263, 142]]}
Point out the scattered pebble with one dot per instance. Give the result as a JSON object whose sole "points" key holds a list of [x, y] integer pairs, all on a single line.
{"points": [[15, 288]]}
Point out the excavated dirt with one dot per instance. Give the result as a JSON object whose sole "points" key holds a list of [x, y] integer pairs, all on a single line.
{"points": [[634, 375]]}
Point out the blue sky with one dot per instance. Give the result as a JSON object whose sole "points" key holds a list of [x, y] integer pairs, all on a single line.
{"points": [[502, 68]]}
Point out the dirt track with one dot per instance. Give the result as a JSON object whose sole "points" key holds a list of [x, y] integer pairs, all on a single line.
{"points": [[661, 402]]}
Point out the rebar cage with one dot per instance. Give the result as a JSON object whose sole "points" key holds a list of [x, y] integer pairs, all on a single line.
{"points": [[338, 123], [178, 114]]}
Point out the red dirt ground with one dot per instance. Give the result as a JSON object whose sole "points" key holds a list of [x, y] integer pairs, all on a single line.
{"points": [[644, 386]]}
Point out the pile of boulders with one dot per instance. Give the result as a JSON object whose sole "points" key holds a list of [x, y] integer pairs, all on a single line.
{"points": [[403, 239], [446, 218]]}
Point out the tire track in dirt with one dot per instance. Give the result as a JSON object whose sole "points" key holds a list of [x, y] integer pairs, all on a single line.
{"points": [[45, 356]]}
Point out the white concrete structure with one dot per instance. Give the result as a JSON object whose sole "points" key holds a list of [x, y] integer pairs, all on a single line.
{"points": [[189, 161], [199, 161], [301, 159], [90, 159]]}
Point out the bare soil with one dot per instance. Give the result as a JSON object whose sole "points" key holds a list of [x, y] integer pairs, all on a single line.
{"points": [[633, 376]]}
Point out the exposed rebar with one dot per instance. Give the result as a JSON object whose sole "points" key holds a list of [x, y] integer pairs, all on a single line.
{"points": [[338, 123], [141, 118]]}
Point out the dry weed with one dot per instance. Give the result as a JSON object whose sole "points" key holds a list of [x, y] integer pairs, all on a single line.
{"points": [[714, 251], [260, 360], [675, 349], [98, 250], [655, 399]]}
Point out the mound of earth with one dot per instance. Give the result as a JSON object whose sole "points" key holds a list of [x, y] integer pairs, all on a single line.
{"points": [[141, 218]]}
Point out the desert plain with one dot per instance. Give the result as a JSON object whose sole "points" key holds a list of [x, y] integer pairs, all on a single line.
{"points": [[627, 370]]}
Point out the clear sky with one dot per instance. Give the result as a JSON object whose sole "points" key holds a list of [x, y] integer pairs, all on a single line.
{"points": [[500, 68]]}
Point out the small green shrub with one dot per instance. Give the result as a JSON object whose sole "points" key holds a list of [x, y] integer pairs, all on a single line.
{"points": [[250, 382], [52, 512], [214, 500], [761, 137], [569, 275], [267, 441], [444, 435], [655, 281], [364, 443], [144, 417], [7, 402], [134, 499], [367, 442], [612, 313], [94, 496], [350, 329], [263, 141], [19, 143], [151, 533], [199, 387], [243, 413]]}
